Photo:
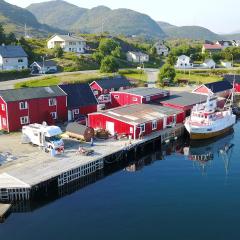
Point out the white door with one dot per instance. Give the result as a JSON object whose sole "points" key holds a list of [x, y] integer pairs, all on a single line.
{"points": [[69, 115], [110, 127], [164, 122], [0, 122]]}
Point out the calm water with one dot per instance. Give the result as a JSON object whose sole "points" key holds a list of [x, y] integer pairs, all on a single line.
{"points": [[173, 198]]}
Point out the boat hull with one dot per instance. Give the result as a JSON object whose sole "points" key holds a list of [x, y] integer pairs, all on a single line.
{"points": [[202, 136]]}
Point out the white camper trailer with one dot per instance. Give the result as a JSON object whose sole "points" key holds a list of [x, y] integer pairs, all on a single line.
{"points": [[43, 136]]}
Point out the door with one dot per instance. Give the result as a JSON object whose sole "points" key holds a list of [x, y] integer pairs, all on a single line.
{"points": [[0, 122], [110, 127], [164, 122]]}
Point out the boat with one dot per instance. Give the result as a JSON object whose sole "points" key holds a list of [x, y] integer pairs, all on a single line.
{"points": [[207, 121]]}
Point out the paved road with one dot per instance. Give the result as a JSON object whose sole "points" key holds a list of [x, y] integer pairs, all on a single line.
{"points": [[10, 84]]}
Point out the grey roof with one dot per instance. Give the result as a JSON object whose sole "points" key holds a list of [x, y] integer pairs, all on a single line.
{"points": [[79, 95], [184, 99], [219, 86], [231, 78], [115, 82], [144, 91], [140, 113], [47, 63], [68, 37], [10, 51], [76, 128], [12, 95]]}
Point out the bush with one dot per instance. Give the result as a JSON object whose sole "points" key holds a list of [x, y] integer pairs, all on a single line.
{"points": [[109, 65], [14, 74]]}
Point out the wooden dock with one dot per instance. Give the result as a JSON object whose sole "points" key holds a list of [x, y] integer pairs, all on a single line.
{"points": [[4, 209]]}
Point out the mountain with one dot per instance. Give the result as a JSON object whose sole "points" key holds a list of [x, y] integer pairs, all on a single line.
{"points": [[69, 17], [188, 32], [14, 18]]}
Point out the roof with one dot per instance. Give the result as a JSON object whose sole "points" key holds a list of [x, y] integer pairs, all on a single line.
{"points": [[76, 128], [79, 95], [139, 113], [10, 51], [116, 82], [209, 61], [184, 99], [138, 53], [12, 95], [47, 63], [212, 46], [219, 86], [231, 78], [144, 91], [69, 37], [8, 181]]}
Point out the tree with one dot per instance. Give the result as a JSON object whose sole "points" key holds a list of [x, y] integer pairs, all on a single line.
{"points": [[98, 57], [116, 52], [58, 51], [27, 48], [11, 38], [107, 46], [167, 72], [171, 59], [109, 65], [2, 35]]}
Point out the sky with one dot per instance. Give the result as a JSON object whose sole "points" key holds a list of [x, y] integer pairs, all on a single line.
{"points": [[220, 16]]}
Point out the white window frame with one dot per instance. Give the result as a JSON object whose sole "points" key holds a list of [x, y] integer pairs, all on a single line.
{"points": [[142, 128], [134, 99], [154, 125], [3, 107], [54, 115], [76, 111], [24, 120], [52, 102], [23, 105]]}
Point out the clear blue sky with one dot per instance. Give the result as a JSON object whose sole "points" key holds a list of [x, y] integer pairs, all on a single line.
{"points": [[221, 16]]}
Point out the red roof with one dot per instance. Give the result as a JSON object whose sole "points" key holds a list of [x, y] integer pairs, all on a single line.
{"points": [[212, 46]]}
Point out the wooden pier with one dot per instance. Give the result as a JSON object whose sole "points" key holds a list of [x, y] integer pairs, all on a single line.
{"points": [[4, 210]]}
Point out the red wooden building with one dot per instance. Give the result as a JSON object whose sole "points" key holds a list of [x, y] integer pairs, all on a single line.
{"points": [[107, 85], [219, 89], [135, 120], [80, 100], [19, 107], [136, 96]]}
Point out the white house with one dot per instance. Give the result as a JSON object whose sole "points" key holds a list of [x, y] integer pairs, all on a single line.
{"points": [[183, 62], [137, 57], [209, 63], [43, 67], [161, 48], [224, 44], [236, 43], [13, 58], [68, 43], [226, 64]]}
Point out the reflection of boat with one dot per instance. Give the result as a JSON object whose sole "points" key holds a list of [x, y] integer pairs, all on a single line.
{"points": [[206, 121]]}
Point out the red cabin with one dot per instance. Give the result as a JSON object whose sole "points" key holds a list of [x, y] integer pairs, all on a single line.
{"points": [[80, 100], [19, 107], [135, 120], [107, 85], [136, 96]]}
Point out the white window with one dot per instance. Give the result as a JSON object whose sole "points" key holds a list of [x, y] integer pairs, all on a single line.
{"points": [[95, 92], [52, 102], [54, 115], [4, 122], [142, 128], [154, 125], [3, 107], [76, 111], [23, 105], [24, 120], [131, 129], [148, 99], [116, 96], [134, 99]]}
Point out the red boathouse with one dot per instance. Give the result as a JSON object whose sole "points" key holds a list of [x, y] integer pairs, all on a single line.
{"points": [[19, 107], [135, 120]]}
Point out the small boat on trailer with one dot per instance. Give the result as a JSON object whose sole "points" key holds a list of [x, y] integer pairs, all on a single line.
{"points": [[207, 121]]}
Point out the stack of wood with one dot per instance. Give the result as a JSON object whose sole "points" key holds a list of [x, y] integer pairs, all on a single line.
{"points": [[102, 134]]}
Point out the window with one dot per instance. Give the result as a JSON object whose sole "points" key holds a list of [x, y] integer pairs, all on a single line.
{"points": [[20, 60], [134, 99], [76, 111], [3, 107], [24, 120], [154, 125], [52, 102], [148, 99], [116, 96], [23, 105], [54, 115], [142, 128]]}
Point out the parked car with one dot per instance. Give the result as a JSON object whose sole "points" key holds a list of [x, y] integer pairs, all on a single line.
{"points": [[51, 71]]}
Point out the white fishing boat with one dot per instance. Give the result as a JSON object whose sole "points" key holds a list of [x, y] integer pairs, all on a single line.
{"points": [[207, 121]]}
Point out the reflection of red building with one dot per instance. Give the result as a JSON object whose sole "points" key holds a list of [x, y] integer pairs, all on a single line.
{"points": [[136, 96], [19, 107], [135, 120]]}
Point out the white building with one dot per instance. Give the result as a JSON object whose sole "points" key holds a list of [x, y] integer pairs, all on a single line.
{"points": [[236, 43], [183, 62], [13, 58], [226, 64], [68, 43], [43, 67], [137, 57], [161, 48], [224, 44], [209, 63]]}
